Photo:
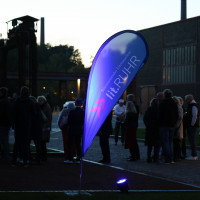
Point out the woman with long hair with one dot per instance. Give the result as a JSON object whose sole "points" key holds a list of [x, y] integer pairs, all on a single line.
{"points": [[130, 124]]}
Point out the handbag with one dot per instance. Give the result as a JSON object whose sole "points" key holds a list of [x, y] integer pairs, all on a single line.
{"points": [[63, 122]]}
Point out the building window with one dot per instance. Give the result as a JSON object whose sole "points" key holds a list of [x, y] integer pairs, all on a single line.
{"points": [[179, 65]]}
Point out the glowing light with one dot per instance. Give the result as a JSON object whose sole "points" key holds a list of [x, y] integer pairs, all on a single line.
{"points": [[78, 86], [121, 181], [122, 185]]}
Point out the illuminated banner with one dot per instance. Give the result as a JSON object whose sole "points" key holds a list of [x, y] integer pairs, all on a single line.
{"points": [[114, 67]]}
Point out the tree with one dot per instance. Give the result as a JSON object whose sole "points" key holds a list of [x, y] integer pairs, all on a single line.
{"points": [[62, 58]]}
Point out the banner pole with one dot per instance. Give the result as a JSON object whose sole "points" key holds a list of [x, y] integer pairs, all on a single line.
{"points": [[80, 186]]}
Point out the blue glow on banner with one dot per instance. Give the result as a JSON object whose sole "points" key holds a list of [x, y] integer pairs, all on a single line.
{"points": [[114, 67]]}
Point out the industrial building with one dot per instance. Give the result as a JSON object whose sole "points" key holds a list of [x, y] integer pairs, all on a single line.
{"points": [[173, 61]]}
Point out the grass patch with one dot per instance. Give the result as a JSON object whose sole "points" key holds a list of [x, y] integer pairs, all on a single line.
{"points": [[141, 135], [102, 195]]}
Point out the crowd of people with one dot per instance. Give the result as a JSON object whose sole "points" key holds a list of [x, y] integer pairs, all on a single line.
{"points": [[30, 118], [167, 122]]}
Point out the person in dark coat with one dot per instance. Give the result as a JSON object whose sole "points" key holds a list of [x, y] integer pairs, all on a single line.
{"points": [[152, 137], [132, 98], [5, 122], [36, 131], [75, 130], [23, 112], [46, 126], [104, 133], [130, 125], [168, 117]]}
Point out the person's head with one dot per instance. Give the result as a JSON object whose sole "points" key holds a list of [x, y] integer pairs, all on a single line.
{"points": [[121, 102], [3, 92], [189, 98], [78, 102], [130, 107], [154, 102], [24, 92], [176, 99], [180, 100], [41, 100], [70, 106], [130, 97], [167, 93], [160, 96]]}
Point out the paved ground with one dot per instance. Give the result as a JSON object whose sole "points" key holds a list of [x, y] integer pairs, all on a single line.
{"points": [[184, 171], [55, 175]]}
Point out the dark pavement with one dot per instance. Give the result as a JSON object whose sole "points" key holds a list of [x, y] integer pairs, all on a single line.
{"points": [[54, 175]]}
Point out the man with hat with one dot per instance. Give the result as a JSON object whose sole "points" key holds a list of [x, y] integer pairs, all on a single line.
{"points": [[120, 115]]}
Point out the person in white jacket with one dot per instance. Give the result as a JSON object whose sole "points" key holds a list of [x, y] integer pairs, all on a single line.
{"points": [[120, 116]]}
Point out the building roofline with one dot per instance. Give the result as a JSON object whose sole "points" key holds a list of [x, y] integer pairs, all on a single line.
{"points": [[175, 22]]}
